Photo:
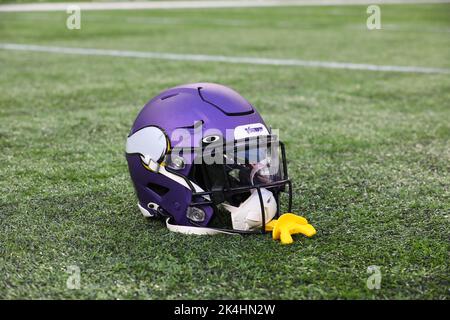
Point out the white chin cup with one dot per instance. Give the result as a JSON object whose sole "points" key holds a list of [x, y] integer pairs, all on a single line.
{"points": [[248, 215]]}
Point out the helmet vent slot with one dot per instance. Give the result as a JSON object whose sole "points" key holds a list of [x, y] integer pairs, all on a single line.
{"points": [[158, 189], [228, 102], [169, 96], [196, 124]]}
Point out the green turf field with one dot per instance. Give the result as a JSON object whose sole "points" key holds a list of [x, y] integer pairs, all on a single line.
{"points": [[369, 154]]}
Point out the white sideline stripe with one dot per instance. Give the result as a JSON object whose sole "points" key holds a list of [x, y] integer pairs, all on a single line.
{"points": [[243, 23], [197, 4], [225, 59]]}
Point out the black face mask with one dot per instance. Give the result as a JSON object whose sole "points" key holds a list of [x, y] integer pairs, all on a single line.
{"points": [[245, 165]]}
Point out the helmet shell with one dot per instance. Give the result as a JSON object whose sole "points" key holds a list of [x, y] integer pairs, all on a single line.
{"points": [[218, 107]]}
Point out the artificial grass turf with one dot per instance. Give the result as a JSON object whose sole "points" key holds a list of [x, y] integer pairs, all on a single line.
{"points": [[368, 155]]}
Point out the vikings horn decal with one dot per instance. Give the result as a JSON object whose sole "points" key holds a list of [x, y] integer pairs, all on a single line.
{"points": [[149, 142]]}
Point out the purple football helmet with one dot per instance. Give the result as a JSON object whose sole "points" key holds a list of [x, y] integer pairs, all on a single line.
{"points": [[201, 157]]}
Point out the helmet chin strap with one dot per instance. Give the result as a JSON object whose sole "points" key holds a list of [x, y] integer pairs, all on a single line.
{"points": [[184, 229], [194, 230], [246, 217]]}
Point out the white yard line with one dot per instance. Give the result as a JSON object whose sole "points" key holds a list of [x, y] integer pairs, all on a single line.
{"points": [[223, 59], [196, 4]]}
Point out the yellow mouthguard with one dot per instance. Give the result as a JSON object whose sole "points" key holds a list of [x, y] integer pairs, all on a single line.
{"points": [[287, 225]]}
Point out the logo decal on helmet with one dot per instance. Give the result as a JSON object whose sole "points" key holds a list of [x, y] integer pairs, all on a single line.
{"points": [[250, 130]]}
